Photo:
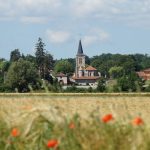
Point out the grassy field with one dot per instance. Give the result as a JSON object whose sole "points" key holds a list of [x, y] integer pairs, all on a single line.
{"points": [[40, 118]]}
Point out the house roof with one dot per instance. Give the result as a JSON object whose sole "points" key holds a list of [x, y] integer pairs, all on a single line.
{"points": [[90, 68], [147, 69], [80, 49], [61, 75], [86, 78]]}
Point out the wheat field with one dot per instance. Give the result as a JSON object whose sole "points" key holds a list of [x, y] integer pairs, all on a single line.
{"points": [[122, 107], [74, 122]]}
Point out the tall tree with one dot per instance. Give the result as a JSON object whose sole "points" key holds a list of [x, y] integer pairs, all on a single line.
{"points": [[44, 60], [15, 55], [40, 56]]}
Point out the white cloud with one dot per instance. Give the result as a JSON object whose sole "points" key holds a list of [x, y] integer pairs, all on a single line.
{"points": [[58, 36], [128, 11], [31, 8], [96, 36]]}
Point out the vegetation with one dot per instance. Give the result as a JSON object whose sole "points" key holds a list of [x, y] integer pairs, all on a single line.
{"points": [[43, 122], [118, 72]]}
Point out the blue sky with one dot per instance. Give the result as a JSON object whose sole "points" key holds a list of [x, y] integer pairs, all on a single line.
{"points": [[105, 26]]}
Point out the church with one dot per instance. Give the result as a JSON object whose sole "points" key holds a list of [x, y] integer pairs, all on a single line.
{"points": [[84, 75]]}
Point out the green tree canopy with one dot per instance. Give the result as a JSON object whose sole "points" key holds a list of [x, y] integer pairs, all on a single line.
{"points": [[101, 87], [15, 55], [63, 66], [116, 72], [21, 74]]}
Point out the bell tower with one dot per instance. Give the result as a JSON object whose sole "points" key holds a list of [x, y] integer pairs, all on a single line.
{"points": [[80, 61]]}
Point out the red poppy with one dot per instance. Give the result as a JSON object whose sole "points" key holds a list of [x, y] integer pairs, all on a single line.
{"points": [[52, 143], [71, 125], [15, 132], [107, 118], [138, 121]]}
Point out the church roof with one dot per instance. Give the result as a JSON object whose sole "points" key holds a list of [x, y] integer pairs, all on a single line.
{"points": [[90, 68], [80, 49]]}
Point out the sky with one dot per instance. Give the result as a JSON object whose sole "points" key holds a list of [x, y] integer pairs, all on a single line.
{"points": [[104, 26]]}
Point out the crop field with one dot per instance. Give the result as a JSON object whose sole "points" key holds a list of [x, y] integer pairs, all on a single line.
{"points": [[74, 121]]}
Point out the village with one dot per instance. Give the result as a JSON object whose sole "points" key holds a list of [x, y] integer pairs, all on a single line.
{"points": [[103, 73]]}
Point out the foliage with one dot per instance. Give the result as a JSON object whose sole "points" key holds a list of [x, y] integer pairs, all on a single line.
{"points": [[129, 83], [15, 55], [116, 72], [129, 63], [21, 74], [44, 60], [63, 66], [101, 87]]}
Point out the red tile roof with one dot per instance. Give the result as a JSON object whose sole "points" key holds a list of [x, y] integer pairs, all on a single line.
{"points": [[61, 75], [90, 68]]}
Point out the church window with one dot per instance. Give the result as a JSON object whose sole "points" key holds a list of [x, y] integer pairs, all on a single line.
{"points": [[80, 60]]}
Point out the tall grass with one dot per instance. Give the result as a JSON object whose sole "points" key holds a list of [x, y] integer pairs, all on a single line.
{"points": [[92, 134]]}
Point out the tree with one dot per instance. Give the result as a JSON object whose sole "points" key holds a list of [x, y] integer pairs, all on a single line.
{"points": [[30, 58], [48, 61], [129, 83], [4, 65], [63, 66], [15, 55], [44, 59], [21, 74], [116, 72], [101, 87], [40, 55]]}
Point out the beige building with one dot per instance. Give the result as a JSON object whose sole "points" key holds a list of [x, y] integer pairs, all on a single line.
{"points": [[62, 78]]}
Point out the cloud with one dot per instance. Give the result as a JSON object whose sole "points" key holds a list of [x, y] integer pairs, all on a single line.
{"points": [[58, 36], [96, 36], [32, 8], [126, 11], [113, 10]]}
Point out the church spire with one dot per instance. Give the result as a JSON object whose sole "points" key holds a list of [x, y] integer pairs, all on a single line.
{"points": [[80, 49]]}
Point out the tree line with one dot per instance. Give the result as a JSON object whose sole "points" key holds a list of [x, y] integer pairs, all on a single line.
{"points": [[37, 72]]}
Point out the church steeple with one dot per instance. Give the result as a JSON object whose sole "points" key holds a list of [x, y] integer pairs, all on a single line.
{"points": [[80, 61], [80, 49]]}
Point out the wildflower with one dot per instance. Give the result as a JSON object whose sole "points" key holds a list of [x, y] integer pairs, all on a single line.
{"points": [[107, 118], [138, 121], [52, 143], [15, 132], [71, 125]]}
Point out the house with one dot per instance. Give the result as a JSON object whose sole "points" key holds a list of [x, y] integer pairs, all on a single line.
{"points": [[84, 75], [145, 74], [62, 78]]}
